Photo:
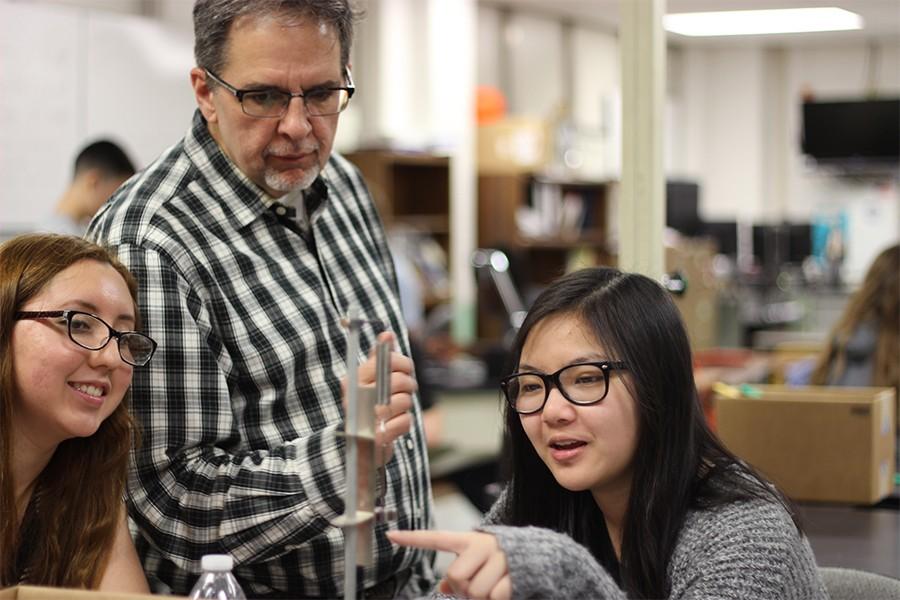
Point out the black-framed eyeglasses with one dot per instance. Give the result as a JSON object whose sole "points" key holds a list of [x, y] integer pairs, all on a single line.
{"points": [[581, 383], [272, 103], [93, 333]]}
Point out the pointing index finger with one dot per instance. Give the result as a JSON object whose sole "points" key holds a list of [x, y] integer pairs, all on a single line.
{"points": [[446, 541]]}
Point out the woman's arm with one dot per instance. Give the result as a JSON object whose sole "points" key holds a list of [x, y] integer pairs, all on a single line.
{"points": [[502, 562], [547, 564], [123, 571]]}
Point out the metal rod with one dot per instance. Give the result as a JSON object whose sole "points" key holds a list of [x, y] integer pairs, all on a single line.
{"points": [[382, 398], [383, 373], [352, 473]]}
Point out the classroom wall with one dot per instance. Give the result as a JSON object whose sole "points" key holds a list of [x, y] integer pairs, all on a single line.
{"points": [[525, 55], [742, 108], [71, 75], [722, 103]]}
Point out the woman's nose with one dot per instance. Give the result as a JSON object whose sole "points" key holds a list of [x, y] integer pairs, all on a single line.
{"points": [[557, 408], [107, 356]]}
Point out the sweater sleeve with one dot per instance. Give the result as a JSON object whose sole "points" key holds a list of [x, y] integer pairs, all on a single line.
{"points": [[546, 564], [745, 550]]}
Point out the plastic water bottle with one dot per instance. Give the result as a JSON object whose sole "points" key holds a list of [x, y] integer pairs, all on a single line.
{"points": [[216, 581]]}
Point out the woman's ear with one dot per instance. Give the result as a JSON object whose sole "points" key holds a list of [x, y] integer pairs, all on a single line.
{"points": [[203, 93]]}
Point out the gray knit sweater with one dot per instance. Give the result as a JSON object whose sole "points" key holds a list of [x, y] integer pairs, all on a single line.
{"points": [[745, 550]]}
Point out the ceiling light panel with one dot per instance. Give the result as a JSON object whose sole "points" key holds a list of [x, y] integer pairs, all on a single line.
{"points": [[760, 22]]}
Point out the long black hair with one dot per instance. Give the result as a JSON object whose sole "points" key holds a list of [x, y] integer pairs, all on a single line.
{"points": [[679, 463]]}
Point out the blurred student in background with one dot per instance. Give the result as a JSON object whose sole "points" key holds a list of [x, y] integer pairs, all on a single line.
{"points": [[864, 346], [65, 430], [100, 168], [618, 488]]}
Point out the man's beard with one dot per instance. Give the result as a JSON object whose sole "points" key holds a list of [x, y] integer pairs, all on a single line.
{"points": [[286, 181], [281, 182]]}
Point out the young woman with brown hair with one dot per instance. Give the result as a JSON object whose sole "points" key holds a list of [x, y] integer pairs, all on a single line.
{"points": [[865, 343], [67, 351]]}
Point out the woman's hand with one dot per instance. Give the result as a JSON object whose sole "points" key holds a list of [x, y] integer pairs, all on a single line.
{"points": [[395, 415], [480, 569]]}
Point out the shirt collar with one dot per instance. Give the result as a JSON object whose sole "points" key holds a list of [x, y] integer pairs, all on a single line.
{"points": [[233, 188]]}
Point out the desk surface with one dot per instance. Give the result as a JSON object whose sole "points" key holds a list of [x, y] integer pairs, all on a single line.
{"points": [[854, 538]]}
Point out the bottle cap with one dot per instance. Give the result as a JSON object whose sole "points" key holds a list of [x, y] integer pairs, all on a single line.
{"points": [[216, 562]]}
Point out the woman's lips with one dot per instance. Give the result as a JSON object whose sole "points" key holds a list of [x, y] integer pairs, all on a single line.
{"points": [[91, 394], [568, 450]]}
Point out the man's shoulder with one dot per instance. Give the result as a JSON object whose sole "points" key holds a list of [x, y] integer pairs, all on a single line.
{"points": [[340, 162], [344, 174], [169, 177], [146, 199]]}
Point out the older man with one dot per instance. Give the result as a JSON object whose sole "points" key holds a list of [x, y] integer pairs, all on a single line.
{"points": [[250, 240]]}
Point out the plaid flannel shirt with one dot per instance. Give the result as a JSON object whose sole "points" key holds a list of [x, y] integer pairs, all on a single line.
{"points": [[240, 406]]}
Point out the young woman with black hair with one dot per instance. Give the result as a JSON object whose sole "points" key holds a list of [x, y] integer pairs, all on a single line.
{"points": [[618, 488]]}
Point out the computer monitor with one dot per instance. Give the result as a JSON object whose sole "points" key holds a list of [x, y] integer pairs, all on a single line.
{"points": [[770, 244], [725, 235], [775, 245], [800, 242], [682, 214]]}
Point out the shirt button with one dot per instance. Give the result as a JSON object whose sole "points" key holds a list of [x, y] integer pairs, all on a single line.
{"points": [[409, 443], [280, 211]]}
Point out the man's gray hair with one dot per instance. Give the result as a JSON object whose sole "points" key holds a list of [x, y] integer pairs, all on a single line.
{"points": [[213, 20]]}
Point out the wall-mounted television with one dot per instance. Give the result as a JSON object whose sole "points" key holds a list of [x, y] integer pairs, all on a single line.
{"points": [[852, 131]]}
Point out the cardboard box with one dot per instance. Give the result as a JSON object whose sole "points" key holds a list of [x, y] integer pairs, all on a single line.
{"points": [[514, 145], [31, 592], [825, 444]]}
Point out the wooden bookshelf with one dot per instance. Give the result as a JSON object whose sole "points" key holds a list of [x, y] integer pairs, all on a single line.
{"points": [[541, 254], [411, 191]]}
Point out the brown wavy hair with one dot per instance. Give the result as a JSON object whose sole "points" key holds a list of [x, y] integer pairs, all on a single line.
{"points": [[876, 302], [82, 487]]}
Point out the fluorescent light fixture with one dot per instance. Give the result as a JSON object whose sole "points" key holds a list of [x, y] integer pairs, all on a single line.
{"points": [[756, 22]]}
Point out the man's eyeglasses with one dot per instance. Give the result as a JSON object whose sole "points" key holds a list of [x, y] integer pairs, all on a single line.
{"points": [[93, 333], [272, 103], [581, 384]]}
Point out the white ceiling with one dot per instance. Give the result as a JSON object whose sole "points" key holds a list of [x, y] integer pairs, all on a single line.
{"points": [[881, 17]]}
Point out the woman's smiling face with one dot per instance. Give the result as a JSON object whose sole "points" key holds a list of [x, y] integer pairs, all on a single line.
{"points": [[588, 447], [64, 390]]}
